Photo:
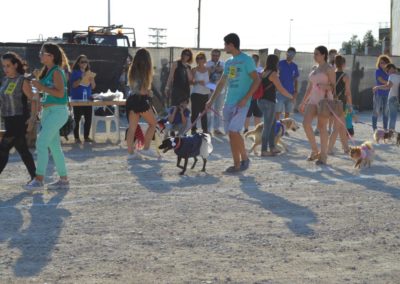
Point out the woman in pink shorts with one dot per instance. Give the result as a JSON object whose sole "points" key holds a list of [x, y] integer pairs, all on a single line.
{"points": [[321, 83]]}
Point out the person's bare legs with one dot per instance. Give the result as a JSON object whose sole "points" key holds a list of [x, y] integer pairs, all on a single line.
{"points": [[324, 137], [150, 118], [309, 114], [237, 147], [338, 129], [133, 122]]}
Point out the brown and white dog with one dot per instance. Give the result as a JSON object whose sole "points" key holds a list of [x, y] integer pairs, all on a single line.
{"points": [[282, 126], [362, 155], [380, 134]]}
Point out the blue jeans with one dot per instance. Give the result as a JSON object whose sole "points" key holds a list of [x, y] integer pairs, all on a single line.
{"points": [[380, 102], [268, 134], [393, 106]]}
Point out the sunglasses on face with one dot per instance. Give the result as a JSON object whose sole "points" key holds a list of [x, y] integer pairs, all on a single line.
{"points": [[200, 58], [42, 53], [83, 62], [186, 54]]}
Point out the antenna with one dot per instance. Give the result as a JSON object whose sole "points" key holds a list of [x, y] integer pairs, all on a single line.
{"points": [[157, 35]]}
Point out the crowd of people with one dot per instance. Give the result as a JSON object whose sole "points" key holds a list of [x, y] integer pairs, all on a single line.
{"points": [[226, 89]]}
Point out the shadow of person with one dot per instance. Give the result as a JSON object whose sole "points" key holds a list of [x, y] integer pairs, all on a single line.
{"points": [[37, 242], [357, 74], [11, 217], [365, 177], [150, 176], [300, 217]]}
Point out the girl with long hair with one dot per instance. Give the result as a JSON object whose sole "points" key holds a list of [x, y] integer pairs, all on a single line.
{"points": [[138, 104], [52, 86], [15, 91]]}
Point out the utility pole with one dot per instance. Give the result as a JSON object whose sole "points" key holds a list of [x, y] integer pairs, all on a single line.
{"points": [[157, 35], [109, 13], [290, 32], [198, 24]]}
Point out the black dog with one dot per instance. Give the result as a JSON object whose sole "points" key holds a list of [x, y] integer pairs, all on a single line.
{"points": [[187, 147]]}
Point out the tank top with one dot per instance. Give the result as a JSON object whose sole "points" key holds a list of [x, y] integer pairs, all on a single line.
{"points": [[269, 90], [199, 88], [181, 81], [317, 92], [47, 81], [12, 99], [341, 88]]}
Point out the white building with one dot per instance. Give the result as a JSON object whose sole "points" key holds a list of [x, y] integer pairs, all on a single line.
{"points": [[395, 26]]}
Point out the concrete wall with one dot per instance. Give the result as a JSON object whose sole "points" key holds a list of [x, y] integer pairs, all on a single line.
{"points": [[395, 24], [360, 68]]}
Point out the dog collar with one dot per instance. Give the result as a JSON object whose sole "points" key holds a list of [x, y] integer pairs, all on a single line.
{"points": [[177, 144]]}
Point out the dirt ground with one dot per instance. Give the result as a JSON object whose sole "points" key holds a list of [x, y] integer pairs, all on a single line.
{"points": [[284, 220]]}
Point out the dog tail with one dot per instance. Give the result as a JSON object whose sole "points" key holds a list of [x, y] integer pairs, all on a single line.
{"points": [[376, 136], [207, 138], [254, 131], [368, 144]]}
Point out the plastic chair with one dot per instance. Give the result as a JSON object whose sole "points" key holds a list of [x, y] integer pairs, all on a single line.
{"points": [[107, 119]]}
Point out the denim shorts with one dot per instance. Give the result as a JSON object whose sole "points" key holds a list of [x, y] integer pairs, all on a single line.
{"points": [[234, 117], [283, 104]]}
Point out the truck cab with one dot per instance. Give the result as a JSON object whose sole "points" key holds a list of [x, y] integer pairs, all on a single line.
{"points": [[115, 35]]}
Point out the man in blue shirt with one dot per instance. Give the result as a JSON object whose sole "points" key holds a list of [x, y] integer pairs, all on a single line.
{"points": [[242, 79], [288, 74]]}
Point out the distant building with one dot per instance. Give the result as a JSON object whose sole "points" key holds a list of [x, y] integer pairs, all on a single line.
{"points": [[395, 27]]}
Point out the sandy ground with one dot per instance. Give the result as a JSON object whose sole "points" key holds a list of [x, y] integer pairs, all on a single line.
{"points": [[284, 220]]}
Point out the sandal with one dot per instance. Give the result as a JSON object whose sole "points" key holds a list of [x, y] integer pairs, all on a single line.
{"points": [[321, 161], [313, 156]]}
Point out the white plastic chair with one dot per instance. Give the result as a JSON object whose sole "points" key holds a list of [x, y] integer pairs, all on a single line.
{"points": [[107, 119]]}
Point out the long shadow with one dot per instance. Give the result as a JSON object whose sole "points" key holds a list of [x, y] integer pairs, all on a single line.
{"points": [[300, 217], [37, 242], [11, 219], [365, 178], [148, 174]]}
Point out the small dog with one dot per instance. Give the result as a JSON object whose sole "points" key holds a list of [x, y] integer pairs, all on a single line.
{"points": [[282, 126], [185, 147], [384, 135], [363, 154]]}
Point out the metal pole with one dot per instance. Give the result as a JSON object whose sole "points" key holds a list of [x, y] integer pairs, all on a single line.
{"points": [[290, 32], [109, 13], [198, 25]]}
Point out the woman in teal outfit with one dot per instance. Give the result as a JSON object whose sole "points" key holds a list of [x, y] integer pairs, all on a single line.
{"points": [[54, 98]]}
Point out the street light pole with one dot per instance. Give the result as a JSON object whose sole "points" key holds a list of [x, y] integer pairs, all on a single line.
{"points": [[198, 25], [109, 13], [290, 32]]}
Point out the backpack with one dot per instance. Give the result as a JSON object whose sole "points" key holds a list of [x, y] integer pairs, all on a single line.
{"points": [[259, 93]]}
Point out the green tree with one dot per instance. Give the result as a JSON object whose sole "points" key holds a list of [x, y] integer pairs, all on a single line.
{"points": [[353, 42], [369, 39]]}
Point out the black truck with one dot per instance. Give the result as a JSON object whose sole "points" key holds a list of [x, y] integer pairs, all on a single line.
{"points": [[105, 46]]}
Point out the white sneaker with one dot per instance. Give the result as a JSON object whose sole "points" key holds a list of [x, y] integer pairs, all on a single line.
{"points": [[60, 184], [149, 153], [134, 156], [34, 185]]}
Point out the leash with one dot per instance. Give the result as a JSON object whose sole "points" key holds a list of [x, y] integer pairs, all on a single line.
{"points": [[195, 121], [344, 125]]}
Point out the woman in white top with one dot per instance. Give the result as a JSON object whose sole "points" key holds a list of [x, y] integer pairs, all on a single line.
{"points": [[393, 84], [200, 91]]}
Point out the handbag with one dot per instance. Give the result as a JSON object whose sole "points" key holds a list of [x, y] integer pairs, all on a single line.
{"points": [[69, 126], [325, 106]]}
